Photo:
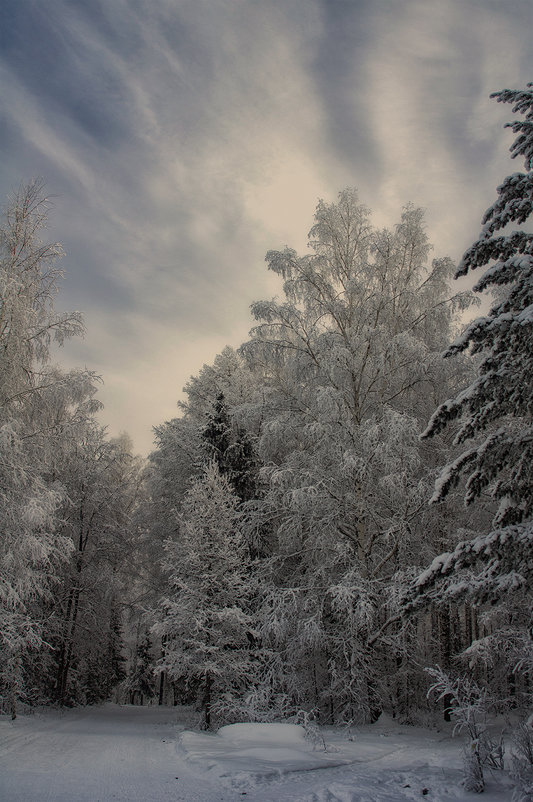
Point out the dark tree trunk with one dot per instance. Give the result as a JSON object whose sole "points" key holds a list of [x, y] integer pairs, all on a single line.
{"points": [[161, 687], [206, 702], [67, 644], [446, 646]]}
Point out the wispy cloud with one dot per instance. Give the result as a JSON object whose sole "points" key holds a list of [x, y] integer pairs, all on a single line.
{"points": [[184, 139]]}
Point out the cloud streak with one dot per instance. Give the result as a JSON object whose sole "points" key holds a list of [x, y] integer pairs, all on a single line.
{"points": [[184, 138]]}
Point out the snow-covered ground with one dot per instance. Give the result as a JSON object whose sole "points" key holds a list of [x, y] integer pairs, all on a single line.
{"points": [[147, 754]]}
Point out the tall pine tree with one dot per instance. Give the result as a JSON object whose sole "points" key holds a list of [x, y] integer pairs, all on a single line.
{"points": [[496, 409], [495, 568]]}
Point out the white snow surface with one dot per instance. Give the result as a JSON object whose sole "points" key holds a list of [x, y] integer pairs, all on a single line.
{"points": [[114, 753]]}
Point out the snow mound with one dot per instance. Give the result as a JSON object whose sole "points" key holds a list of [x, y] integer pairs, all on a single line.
{"points": [[272, 734], [244, 755]]}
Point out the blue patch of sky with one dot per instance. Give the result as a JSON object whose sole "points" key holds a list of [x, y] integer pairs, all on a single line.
{"points": [[57, 68]]}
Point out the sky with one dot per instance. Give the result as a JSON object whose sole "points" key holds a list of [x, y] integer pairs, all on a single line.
{"points": [[182, 139]]}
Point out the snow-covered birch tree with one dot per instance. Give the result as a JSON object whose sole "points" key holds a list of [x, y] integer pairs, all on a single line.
{"points": [[67, 493], [38, 403], [101, 479], [350, 361]]}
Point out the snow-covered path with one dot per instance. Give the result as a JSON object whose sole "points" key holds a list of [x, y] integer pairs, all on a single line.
{"points": [[103, 753], [133, 754]]}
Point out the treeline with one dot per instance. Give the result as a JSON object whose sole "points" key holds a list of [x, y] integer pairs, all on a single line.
{"points": [[292, 494], [336, 509], [346, 499]]}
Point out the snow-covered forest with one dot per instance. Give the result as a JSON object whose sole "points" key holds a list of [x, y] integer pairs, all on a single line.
{"points": [[338, 523]]}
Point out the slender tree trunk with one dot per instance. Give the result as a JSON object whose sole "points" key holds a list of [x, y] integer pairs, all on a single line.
{"points": [[206, 702], [15, 670], [67, 646], [162, 675], [374, 707], [71, 616], [446, 646]]}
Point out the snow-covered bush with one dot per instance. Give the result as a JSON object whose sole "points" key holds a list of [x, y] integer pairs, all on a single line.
{"points": [[522, 761], [468, 705]]}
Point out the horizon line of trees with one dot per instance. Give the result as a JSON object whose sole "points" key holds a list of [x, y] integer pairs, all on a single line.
{"points": [[301, 540]]}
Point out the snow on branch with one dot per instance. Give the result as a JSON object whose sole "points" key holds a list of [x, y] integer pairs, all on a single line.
{"points": [[503, 560]]}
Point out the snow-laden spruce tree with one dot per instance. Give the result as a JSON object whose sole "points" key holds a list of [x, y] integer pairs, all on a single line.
{"points": [[496, 409], [186, 444], [206, 622], [496, 432], [230, 447]]}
